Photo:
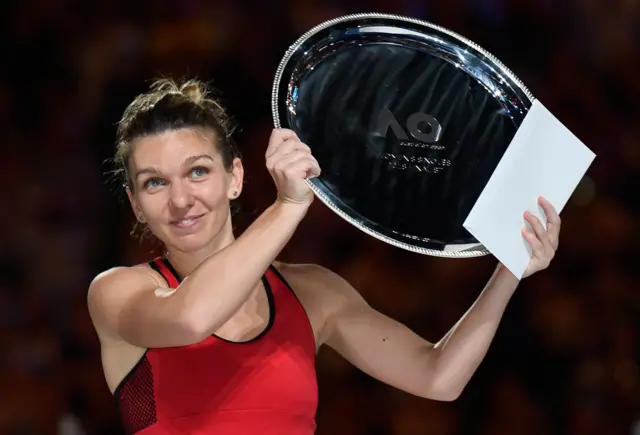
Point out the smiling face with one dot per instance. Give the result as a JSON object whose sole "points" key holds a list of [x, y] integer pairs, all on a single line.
{"points": [[182, 190]]}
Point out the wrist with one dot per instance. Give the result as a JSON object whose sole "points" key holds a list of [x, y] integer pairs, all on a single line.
{"points": [[303, 201], [289, 208], [506, 278]]}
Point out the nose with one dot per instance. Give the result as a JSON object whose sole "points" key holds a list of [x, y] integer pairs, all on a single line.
{"points": [[181, 197]]}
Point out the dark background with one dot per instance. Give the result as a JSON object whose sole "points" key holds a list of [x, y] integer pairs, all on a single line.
{"points": [[565, 360]]}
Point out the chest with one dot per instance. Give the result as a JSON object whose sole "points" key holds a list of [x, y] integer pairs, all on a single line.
{"points": [[315, 306], [218, 376], [253, 319], [275, 368]]}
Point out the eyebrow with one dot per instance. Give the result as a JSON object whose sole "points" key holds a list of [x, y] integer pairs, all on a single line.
{"points": [[191, 160], [188, 161]]}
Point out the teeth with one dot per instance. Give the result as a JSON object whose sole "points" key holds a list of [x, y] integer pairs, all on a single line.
{"points": [[186, 221]]}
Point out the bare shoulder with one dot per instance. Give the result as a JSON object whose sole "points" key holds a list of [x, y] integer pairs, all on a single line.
{"points": [[312, 276], [320, 286], [108, 284], [111, 288]]}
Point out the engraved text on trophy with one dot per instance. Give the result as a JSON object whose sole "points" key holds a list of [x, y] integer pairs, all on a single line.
{"points": [[415, 137]]}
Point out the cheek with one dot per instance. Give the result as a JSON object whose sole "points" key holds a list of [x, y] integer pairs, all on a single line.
{"points": [[213, 193], [152, 206]]}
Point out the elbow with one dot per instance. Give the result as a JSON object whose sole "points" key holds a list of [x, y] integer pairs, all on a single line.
{"points": [[444, 390], [448, 395], [200, 321]]}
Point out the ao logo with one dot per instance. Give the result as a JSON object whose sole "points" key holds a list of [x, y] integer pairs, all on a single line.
{"points": [[386, 120]]}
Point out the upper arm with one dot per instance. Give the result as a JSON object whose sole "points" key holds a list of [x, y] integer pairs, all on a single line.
{"points": [[123, 305], [378, 345]]}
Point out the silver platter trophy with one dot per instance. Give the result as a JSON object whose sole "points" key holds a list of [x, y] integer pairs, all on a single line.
{"points": [[408, 121]]}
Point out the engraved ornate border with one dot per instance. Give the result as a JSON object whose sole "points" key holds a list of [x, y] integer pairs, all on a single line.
{"points": [[318, 191]]}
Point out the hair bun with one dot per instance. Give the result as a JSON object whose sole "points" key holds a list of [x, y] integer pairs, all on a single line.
{"points": [[194, 90]]}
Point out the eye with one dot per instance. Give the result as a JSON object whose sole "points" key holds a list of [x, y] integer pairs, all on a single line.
{"points": [[153, 183], [199, 172]]}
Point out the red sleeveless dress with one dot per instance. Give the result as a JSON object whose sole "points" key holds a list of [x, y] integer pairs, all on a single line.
{"points": [[264, 386]]}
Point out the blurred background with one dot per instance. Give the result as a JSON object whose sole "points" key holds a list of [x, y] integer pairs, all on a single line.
{"points": [[565, 360]]}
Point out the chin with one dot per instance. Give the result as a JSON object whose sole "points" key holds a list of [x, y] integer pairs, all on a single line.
{"points": [[192, 241], [190, 244]]}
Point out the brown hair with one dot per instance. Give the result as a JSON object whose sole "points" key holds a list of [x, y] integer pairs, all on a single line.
{"points": [[169, 105]]}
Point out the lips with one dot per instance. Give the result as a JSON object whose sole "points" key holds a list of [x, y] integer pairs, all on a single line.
{"points": [[187, 221]]}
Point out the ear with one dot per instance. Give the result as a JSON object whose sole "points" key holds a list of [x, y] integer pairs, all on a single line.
{"points": [[134, 205], [236, 180]]}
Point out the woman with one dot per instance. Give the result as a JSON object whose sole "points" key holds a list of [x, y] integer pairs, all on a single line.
{"points": [[216, 337]]}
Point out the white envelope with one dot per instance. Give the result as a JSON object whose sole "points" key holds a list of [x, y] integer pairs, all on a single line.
{"points": [[543, 159]]}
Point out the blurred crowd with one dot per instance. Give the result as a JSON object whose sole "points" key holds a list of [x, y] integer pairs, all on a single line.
{"points": [[565, 360]]}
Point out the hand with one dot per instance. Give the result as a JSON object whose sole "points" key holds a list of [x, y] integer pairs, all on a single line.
{"points": [[290, 163], [543, 243]]}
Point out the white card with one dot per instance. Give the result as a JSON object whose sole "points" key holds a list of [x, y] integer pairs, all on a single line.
{"points": [[543, 159]]}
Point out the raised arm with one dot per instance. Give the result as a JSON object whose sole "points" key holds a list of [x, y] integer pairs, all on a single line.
{"points": [[124, 303], [127, 303], [391, 353]]}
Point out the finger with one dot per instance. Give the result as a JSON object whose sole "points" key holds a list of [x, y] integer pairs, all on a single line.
{"points": [[537, 248], [301, 168], [306, 168], [550, 211], [538, 230], [311, 167], [282, 134], [314, 170], [278, 136], [287, 147], [280, 163], [290, 145], [553, 221], [283, 148]]}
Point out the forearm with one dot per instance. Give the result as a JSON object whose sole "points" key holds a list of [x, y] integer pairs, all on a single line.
{"points": [[223, 282], [463, 348]]}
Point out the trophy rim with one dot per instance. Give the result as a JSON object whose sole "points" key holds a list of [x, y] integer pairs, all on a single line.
{"points": [[314, 184]]}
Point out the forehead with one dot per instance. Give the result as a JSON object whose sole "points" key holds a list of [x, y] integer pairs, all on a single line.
{"points": [[171, 148]]}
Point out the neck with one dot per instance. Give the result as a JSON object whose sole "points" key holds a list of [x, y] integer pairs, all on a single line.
{"points": [[186, 262]]}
